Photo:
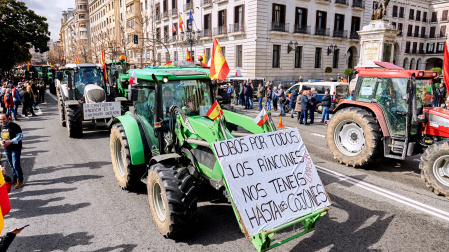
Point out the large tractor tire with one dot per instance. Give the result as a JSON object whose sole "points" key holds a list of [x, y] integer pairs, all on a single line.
{"points": [[172, 198], [354, 137], [128, 176], [61, 110], [434, 167], [74, 121]]}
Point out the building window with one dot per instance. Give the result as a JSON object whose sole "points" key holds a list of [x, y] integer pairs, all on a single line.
{"points": [[207, 25], [339, 23], [395, 11], [444, 17], [415, 46], [335, 58], [207, 54], [239, 56], [424, 16], [401, 12], [411, 14], [418, 16], [222, 22], [393, 24], [443, 31], [223, 50], [430, 47], [434, 16], [423, 32], [318, 57], [409, 30], [278, 15], [298, 56], [440, 47], [300, 18], [321, 19], [432, 32], [276, 56], [421, 48], [238, 18], [416, 33], [407, 47]]}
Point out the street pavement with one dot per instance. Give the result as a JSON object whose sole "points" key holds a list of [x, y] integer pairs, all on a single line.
{"points": [[72, 201]]}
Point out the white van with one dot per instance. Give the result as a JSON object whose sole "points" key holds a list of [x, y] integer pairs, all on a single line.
{"points": [[337, 90]]}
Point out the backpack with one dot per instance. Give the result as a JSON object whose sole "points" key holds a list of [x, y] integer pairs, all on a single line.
{"points": [[8, 98], [269, 94]]}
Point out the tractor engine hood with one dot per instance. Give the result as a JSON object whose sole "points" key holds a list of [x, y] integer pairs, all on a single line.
{"points": [[94, 94], [438, 121]]}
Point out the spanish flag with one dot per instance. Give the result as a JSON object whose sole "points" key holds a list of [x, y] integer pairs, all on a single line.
{"points": [[188, 57], [219, 68], [103, 63], [28, 66], [5, 206], [180, 23], [204, 62], [77, 59], [214, 111]]}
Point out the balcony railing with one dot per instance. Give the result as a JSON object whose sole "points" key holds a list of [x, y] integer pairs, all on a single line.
{"points": [[409, 34], [414, 50], [220, 30], [401, 15], [237, 27], [433, 20], [302, 29], [164, 14], [322, 31], [416, 35], [220, 1], [411, 17], [430, 52], [424, 20], [340, 34], [407, 50], [174, 11], [188, 6], [418, 18], [354, 35], [157, 17], [424, 36], [358, 3], [281, 27], [206, 3], [341, 2], [421, 52], [207, 33]]}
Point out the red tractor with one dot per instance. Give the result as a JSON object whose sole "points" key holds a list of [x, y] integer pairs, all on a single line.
{"points": [[392, 114]]}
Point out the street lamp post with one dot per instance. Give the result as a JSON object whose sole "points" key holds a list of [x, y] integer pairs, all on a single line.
{"points": [[191, 38]]}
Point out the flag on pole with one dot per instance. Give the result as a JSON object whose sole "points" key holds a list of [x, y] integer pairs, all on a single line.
{"points": [[180, 23], [133, 79], [204, 62], [173, 28], [190, 17], [214, 111], [219, 68], [446, 65], [28, 66], [261, 118], [103, 63], [5, 205], [77, 59], [188, 57]]}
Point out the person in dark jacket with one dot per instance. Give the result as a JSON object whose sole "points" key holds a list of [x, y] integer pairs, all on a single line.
{"points": [[304, 107], [275, 99], [292, 102], [28, 102], [326, 103], [260, 95], [248, 95], [312, 106]]}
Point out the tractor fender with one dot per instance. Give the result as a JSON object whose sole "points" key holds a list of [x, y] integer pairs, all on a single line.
{"points": [[374, 108], [138, 144], [165, 157]]}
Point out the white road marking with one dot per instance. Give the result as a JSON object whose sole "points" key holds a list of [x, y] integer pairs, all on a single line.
{"points": [[315, 134], [387, 194]]}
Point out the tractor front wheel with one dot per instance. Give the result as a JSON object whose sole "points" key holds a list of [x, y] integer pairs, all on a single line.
{"points": [[172, 198], [74, 121], [354, 137], [128, 176], [434, 167]]}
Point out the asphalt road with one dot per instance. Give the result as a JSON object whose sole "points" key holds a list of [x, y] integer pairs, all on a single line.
{"points": [[72, 201]]}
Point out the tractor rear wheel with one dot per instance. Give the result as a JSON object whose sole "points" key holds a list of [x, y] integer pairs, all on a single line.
{"points": [[354, 137], [172, 198], [74, 121], [434, 167], [128, 176], [61, 110]]}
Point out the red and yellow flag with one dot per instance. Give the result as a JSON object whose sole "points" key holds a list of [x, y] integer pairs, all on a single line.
{"points": [[188, 58], [28, 66], [446, 65], [169, 63], [103, 63], [5, 205], [219, 68], [204, 62], [77, 59], [180, 23], [214, 111]]}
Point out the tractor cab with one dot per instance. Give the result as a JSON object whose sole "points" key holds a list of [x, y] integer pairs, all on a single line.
{"points": [[85, 77]]}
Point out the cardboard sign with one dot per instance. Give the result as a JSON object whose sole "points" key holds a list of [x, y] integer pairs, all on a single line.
{"points": [[101, 110], [271, 178]]}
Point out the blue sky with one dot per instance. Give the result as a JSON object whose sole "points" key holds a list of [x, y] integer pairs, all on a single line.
{"points": [[52, 10]]}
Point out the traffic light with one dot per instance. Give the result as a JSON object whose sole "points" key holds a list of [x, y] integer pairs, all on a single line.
{"points": [[136, 39]]}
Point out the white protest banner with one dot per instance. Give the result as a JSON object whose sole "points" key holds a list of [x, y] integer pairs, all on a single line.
{"points": [[271, 178], [101, 110]]}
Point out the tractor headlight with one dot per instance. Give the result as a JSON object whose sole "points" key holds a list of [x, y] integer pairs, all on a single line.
{"points": [[165, 79]]}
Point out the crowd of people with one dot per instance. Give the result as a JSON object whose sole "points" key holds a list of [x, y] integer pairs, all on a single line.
{"points": [[302, 103]]}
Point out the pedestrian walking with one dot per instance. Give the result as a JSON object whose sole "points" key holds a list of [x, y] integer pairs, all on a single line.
{"points": [[304, 107], [281, 95], [326, 103], [241, 94], [248, 95], [251, 95], [230, 91], [298, 105], [313, 101], [260, 95], [28, 102], [11, 135], [42, 89], [9, 104], [16, 99], [275, 98], [292, 102], [269, 95], [2, 96]]}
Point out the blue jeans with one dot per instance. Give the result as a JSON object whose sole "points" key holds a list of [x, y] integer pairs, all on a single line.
{"points": [[246, 101], [303, 116], [260, 103], [251, 101], [312, 113], [13, 158], [13, 112], [325, 114], [282, 108], [268, 104]]}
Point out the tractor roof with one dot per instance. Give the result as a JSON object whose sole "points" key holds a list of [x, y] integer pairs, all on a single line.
{"points": [[171, 72], [73, 65], [389, 70]]}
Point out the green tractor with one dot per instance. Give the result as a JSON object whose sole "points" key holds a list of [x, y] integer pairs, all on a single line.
{"points": [[166, 143], [48, 74], [114, 69], [82, 96]]}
